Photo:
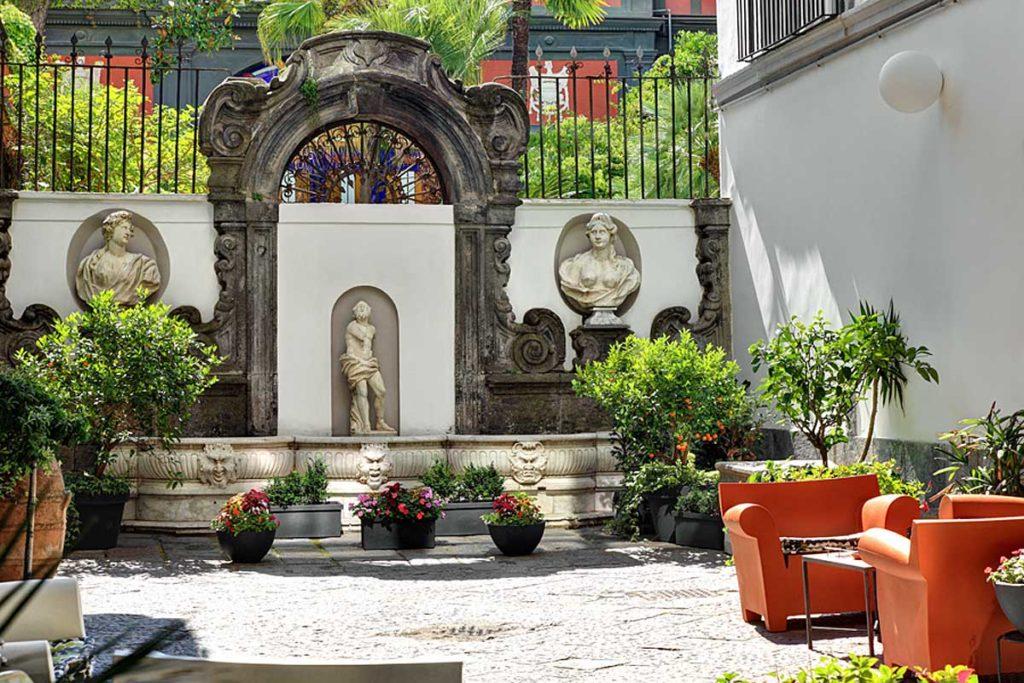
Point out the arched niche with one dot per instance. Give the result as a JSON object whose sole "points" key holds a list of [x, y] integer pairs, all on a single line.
{"points": [[384, 317]]}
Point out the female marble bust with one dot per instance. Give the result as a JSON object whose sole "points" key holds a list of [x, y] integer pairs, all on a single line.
{"points": [[599, 278], [115, 268]]}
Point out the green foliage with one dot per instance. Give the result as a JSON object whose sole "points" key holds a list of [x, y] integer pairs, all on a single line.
{"points": [[814, 379], [863, 670], [310, 93], [286, 23], [33, 425], [89, 485], [702, 495], [656, 475], [206, 25], [668, 398], [474, 484], [986, 455], [128, 372], [300, 488], [890, 479], [21, 34]]}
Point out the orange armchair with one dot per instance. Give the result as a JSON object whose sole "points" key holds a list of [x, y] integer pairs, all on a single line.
{"points": [[978, 507], [934, 604], [757, 516]]}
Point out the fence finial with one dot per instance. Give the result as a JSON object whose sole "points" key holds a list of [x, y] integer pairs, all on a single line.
{"points": [[539, 52], [74, 49], [108, 50], [39, 46]]}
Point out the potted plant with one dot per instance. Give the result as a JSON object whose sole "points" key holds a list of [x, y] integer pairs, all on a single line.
{"points": [[468, 495], [1008, 579], [245, 527], [515, 523], [698, 519], [33, 425], [131, 374], [657, 485], [398, 518], [299, 501]]}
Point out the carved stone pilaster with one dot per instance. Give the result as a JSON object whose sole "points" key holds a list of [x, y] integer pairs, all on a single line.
{"points": [[37, 320], [714, 314]]}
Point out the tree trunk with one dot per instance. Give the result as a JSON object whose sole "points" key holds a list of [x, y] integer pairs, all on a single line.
{"points": [[871, 420], [519, 28], [37, 11]]}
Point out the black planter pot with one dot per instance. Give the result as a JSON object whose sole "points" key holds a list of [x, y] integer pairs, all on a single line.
{"points": [[660, 505], [463, 519], [322, 520], [699, 531], [99, 519], [1011, 599], [407, 535], [248, 547], [516, 540]]}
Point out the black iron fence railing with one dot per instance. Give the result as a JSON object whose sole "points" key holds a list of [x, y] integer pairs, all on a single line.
{"points": [[766, 24], [106, 122], [126, 121]]}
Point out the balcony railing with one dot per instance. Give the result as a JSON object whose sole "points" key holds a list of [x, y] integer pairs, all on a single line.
{"points": [[766, 24]]}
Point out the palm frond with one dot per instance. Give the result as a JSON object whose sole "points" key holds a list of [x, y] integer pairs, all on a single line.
{"points": [[286, 23], [578, 13]]}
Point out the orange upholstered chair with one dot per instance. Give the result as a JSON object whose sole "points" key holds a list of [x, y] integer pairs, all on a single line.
{"points": [[977, 507], [934, 604], [758, 516]]}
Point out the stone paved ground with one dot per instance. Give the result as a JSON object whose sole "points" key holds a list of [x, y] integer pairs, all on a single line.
{"points": [[585, 607]]}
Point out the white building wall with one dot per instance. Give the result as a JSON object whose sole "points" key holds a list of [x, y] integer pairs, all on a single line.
{"points": [[407, 251], [44, 223], [838, 198], [664, 231]]}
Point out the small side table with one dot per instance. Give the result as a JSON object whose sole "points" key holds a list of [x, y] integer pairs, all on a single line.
{"points": [[842, 560], [1013, 637]]}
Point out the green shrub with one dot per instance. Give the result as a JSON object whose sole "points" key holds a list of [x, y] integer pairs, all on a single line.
{"points": [[669, 399], [300, 488], [986, 455], [890, 480], [863, 670], [476, 483], [441, 479], [651, 477], [702, 496]]}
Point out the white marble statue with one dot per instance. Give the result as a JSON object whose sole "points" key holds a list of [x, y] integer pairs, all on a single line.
{"points": [[362, 371], [598, 279], [115, 268]]}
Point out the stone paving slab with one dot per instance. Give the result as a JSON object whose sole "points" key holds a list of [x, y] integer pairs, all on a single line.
{"points": [[585, 607]]}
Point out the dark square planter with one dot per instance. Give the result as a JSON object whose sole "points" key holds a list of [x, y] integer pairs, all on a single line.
{"points": [[463, 519], [699, 531], [99, 519], [407, 535], [309, 521]]}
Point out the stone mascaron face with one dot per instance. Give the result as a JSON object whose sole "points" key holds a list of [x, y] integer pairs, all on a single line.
{"points": [[113, 267], [599, 277]]}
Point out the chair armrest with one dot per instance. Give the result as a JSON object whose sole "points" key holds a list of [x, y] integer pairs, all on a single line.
{"points": [[887, 551], [980, 506], [31, 657], [893, 512], [750, 519]]}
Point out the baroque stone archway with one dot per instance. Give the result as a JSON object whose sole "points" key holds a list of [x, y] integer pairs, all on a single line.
{"points": [[249, 131]]}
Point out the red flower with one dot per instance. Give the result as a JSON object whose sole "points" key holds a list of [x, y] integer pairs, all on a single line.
{"points": [[403, 508], [419, 515]]}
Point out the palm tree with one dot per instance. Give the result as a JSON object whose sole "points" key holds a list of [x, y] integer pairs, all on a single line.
{"points": [[462, 32]]}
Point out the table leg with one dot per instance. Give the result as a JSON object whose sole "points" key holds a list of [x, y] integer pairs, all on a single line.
{"points": [[869, 616], [807, 605]]}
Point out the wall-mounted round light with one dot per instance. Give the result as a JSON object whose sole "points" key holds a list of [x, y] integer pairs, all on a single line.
{"points": [[910, 81]]}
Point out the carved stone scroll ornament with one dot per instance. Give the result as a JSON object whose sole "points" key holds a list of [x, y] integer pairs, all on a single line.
{"points": [[218, 466], [528, 462], [539, 344], [592, 343], [374, 465], [37, 320], [671, 322]]}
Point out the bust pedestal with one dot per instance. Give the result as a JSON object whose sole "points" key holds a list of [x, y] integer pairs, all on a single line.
{"points": [[599, 331]]}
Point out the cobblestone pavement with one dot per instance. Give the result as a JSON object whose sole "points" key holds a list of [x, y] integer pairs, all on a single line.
{"points": [[585, 607]]}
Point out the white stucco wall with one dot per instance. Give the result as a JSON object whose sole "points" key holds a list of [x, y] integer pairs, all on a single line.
{"points": [[406, 251], [664, 231], [44, 224], [838, 198]]}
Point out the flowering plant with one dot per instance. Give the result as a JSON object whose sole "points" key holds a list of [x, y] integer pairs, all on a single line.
{"points": [[1010, 569], [248, 511], [513, 509], [396, 503]]}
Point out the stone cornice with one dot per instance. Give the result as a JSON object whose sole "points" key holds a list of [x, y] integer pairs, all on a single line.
{"points": [[846, 30]]}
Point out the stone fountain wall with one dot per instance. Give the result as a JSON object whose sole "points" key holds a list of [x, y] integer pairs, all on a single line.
{"points": [[573, 476]]}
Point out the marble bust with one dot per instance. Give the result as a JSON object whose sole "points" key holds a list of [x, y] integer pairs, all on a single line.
{"points": [[599, 279], [113, 267], [362, 372]]}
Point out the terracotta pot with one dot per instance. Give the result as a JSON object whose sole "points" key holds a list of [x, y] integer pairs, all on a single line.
{"points": [[48, 538]]}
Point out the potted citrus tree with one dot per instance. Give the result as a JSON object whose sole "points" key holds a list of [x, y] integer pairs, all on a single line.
{"points": [[698, 519], [246, 527], [299, 501], [33, 425], [132, 375], [398, 518], [468, 495], [515, 523]]}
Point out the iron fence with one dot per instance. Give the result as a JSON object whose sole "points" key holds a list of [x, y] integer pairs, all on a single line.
{"points": [[101, 122], [766, 24]]}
